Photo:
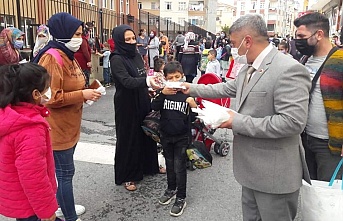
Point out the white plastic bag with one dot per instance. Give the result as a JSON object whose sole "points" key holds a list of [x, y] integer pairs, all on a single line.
{"points": [[321, 202]]}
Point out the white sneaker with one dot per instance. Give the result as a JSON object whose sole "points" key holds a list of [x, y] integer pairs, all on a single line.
{"points": [[78, 208]]}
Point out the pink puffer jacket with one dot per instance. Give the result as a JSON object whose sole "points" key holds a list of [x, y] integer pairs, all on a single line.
{"points": [[27, 170]]}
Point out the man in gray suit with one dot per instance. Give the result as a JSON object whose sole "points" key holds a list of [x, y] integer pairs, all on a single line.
{"points": [[272, 93]]}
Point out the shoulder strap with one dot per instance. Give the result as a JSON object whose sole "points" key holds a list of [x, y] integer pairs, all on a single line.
{"points": [[316, 77], [56, 55]]}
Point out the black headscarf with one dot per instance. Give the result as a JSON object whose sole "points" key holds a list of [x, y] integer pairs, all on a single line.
{"points": [[122, 48], [61, 26]]}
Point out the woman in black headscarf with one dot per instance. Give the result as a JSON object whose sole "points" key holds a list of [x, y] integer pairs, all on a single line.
{"points": [[136, 153]]}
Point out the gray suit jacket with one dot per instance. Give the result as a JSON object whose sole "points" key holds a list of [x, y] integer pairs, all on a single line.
{"points": [[272, 110]]}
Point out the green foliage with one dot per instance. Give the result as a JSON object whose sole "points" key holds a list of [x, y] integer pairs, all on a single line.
{"points": [[225, 29]]}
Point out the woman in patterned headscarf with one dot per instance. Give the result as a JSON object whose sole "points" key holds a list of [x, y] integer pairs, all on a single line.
{"points": [[11, 40], [42, 39]]}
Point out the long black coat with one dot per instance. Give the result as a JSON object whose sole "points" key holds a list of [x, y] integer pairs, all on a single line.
{"points": [[136, 153]]}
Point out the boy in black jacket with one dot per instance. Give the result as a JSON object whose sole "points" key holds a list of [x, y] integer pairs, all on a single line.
{"points": [[175, 132]]}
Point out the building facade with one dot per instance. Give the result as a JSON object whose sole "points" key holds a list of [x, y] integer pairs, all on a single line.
{"points": [[225, 16], [197, 13], [105, 14], [278, 14]]}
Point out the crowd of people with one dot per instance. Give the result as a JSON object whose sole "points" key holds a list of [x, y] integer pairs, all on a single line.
{"points": [[288, 111]]}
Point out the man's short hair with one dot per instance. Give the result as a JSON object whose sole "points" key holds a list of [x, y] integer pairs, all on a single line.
{"points": [[251, 22], [172, 67], [314, 21], [208, 45]]}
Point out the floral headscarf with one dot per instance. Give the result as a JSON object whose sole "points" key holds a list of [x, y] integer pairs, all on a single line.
{"points": [[41, 42], [9, 55]]}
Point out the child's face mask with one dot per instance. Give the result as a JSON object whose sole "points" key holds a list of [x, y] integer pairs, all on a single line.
{"points": [[45, 97]]}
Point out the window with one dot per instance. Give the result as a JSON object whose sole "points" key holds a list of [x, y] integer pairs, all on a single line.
{"points": [[91, 2], [6, 21], [182, 6], [121, 6], [261, 5], [168, 5], [139, 5], [127, 7], [153, 5], [153, 21], [181, 21], [112, 4], [270, 27], [104, 3], [167, 20], [25, 27], [193, 21], [242, 6]]}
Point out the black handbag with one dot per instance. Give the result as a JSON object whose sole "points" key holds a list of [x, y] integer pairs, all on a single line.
{"points": [[151, 125]]}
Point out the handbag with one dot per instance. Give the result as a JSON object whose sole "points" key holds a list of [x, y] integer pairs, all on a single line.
{"points": [[323, 201], [151, 125]]}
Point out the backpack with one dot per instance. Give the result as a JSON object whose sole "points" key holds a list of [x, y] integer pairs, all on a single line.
{"points": [[203, 63], [56, 55], [219, 53], [199, 155], [151, 125]]}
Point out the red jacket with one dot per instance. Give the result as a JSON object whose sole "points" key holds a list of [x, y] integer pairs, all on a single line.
{"points": [[27, 169], [83, 55]]}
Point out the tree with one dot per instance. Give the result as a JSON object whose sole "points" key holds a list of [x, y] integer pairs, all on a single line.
{"points": [[225, 29]]}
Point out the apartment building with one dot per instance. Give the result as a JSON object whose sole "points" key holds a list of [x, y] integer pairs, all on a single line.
{"points": [[278, 14], [200, 13], [105, 14], [225, 16]]}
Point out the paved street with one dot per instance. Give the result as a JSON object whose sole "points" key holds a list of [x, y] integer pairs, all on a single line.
{"points": [[213, 193]]}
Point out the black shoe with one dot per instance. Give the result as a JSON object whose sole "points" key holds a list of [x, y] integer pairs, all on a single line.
{"points": [[167, 197], [178, 207]]}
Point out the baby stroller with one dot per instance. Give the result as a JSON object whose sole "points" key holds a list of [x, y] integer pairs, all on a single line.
{"points": [[204, 133]]}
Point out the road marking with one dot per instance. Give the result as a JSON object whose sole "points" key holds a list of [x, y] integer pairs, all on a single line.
{"points": [[94, 153]]}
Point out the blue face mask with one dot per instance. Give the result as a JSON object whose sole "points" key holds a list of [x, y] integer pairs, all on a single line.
{"points": [[18, 44]]}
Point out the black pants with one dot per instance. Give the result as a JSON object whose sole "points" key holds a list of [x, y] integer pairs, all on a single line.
{"points": [[174, 150], [320, 161]]}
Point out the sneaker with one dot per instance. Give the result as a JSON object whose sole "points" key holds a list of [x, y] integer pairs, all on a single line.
{"points": [[178, 207], [78, 208], [167, 197]]}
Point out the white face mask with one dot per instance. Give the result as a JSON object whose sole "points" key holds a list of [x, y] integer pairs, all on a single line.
{"points": [[46, 96], [42, 40], [73, 44], [242, 59]]}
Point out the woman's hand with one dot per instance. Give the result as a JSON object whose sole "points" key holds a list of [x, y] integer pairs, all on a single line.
{"points": [[91, 94], [52, 218]]}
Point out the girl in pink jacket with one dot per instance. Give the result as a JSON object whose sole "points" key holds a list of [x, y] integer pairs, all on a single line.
{"points": [[27, 171]]}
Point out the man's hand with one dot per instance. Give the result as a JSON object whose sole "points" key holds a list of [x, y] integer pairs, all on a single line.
{"points": [[228, 123], [187, 85]]}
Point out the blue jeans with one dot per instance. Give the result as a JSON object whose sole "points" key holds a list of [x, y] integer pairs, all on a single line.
{"points": [[106, 75], [174, 151], [35, 218], [87, 73], [65, 170]]}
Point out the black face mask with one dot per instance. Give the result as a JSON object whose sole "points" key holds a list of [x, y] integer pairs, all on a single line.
{"points": [[303, 47]]}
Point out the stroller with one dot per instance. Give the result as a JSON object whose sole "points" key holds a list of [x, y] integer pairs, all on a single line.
{"points": [[203, 133]]}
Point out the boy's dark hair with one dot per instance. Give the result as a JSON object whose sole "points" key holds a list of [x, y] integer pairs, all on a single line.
{"points": [[172, 67], [179, 32], [213, 52], [208, 45], [17, 81], [158, 63], [284, 45], [314, 21]]}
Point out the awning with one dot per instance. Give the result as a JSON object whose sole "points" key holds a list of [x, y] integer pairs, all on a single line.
{"points": [[319, 4]]}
